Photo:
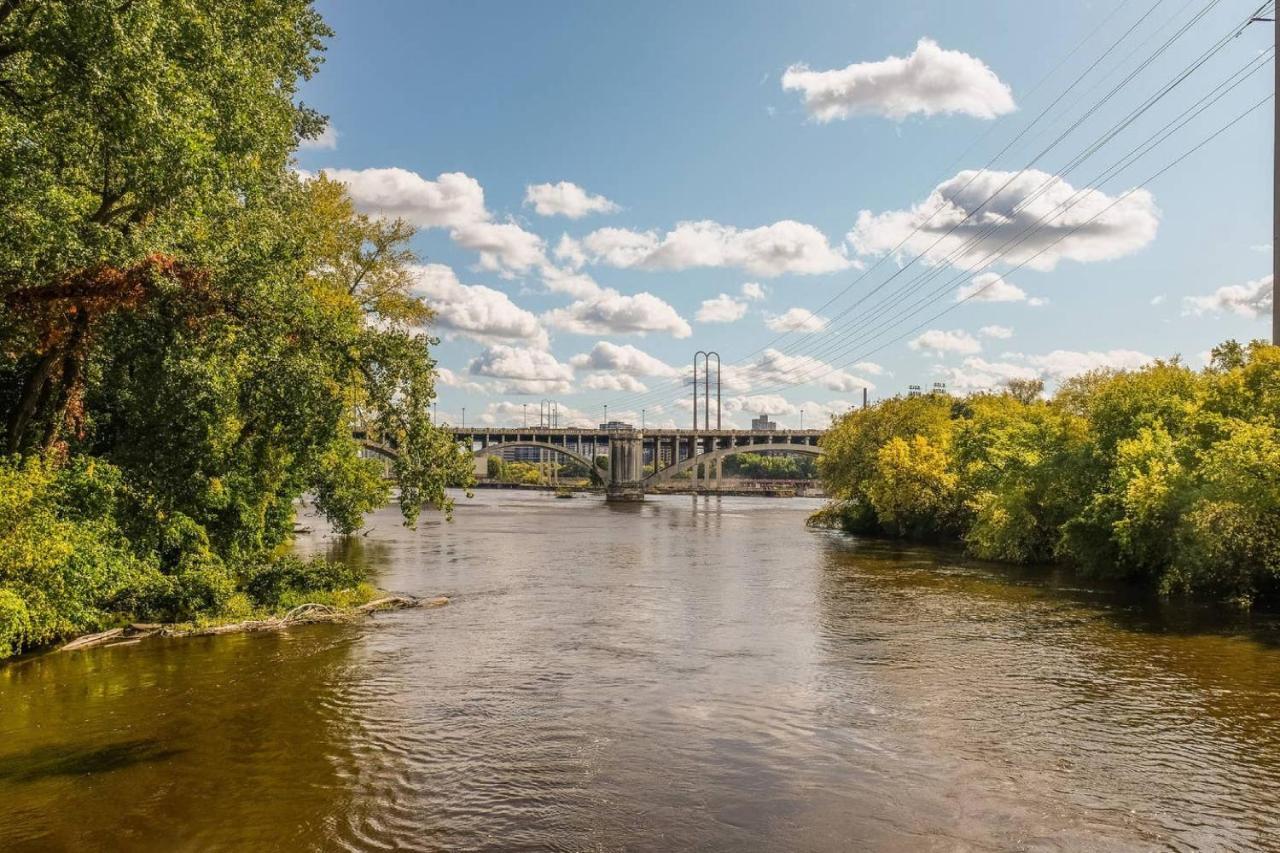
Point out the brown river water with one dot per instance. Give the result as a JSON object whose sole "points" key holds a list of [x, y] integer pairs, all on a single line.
{"points": [[688, 674]]}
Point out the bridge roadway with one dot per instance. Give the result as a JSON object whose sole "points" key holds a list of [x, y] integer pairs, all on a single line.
{"points": [[630, 451]]}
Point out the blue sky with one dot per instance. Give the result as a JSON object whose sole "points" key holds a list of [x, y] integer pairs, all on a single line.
{"points": [[659, 114]]}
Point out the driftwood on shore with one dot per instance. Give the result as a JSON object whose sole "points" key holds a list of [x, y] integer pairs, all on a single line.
{"points": [[301, 615]]}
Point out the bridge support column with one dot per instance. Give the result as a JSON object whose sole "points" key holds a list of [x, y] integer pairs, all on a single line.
{"points": [[626, 466]]}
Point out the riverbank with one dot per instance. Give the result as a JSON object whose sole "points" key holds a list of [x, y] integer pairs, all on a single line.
{"points": [[303, 614]]}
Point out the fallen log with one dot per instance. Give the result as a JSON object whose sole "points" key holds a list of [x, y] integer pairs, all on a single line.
{"points": [[303, 614]]}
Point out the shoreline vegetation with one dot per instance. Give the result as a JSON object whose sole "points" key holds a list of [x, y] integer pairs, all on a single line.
{"points": [[1165, 476], [192, 329], [304, 614]]}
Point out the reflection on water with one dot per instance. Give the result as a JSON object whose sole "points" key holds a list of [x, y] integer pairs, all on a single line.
{"points": [[686, 674]]}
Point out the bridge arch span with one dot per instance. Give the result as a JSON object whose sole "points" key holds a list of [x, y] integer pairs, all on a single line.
{"points": [[724, 452], [555, 448]]}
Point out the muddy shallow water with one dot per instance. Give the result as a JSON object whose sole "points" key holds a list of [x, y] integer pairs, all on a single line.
{"points": [[686, 674]]}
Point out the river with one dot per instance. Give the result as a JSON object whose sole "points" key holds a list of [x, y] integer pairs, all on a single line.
{"points": [[690, 673]]}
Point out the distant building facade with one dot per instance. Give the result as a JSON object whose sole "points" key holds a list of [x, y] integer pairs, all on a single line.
{"points": [[763, 424]]}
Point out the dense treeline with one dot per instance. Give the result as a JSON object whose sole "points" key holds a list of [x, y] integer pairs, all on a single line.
{"points": [[770, 466], [1164, 475], [189, 328]]}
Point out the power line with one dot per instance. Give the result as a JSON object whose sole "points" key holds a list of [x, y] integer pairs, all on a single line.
{"points": [[983, 233]]}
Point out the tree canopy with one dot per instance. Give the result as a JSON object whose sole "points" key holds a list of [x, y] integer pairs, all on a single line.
{"points": [[189, 323]]}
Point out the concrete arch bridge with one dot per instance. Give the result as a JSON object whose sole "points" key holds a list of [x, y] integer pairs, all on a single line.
{"points": [[641, 459]]}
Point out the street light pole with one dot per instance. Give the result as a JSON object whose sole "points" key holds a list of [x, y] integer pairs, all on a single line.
{"points": [[464, 416], [606, 415], [525, 408], [802, 419], [642, 419]]}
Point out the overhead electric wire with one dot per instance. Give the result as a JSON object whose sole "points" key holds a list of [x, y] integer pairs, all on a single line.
{"points": [[975, 240], [866, 353], [1233, 80], [627, 398]]}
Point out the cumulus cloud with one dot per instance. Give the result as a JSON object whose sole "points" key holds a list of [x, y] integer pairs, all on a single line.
{"points": [[522, 370], [447, 377], [566, 199], [622, 358], [722, 309], [506, 412], [776, 367], [326, 141], [1013, 208], [610, 312], [570, 252], [475, 311], [770, 250], [1251, 299], [999, 332], [752, 291], [504, 247], [990, 287], [937, 342], [796, 320], [613, 382], [452, 199], [977, 374], [1063, 364], [931, 80]]}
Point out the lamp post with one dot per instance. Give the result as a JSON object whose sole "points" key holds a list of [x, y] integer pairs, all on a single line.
{"points": [[464, 416], [525, 408], [642, 419], [802, 419]]}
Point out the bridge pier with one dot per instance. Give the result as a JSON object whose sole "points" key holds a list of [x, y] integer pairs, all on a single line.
{"points": [[626, 466]]}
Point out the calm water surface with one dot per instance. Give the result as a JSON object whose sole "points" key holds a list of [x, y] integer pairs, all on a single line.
{"points": [[686, 674]]}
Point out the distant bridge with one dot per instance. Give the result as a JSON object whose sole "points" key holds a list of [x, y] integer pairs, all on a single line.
{"points": [[672, 452]]}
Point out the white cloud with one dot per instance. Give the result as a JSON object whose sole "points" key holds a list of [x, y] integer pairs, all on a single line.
{"points": [[937, 341], [930, 81], [977, 374], [1062, 364], [990, 287], [1261, 247], [774, 367], [326, 141], [474, 311], [566, 199], [505, 412], [1251, 299], [622, 358], [722, 309], [869, 367], [608, 312], [613, 382], [1158, 299], [1019, 206], [453, 380], [752, 291], [796, 320], [504, 247], [1000, 332], [570, 251], [521, 370], [452, 199], [770, 250]]}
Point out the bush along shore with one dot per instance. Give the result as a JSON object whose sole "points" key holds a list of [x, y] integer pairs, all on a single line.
{"points": [[1165, 476]]}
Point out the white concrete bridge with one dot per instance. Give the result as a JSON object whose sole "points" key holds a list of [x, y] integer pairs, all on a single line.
{"points": [[630, 452]]}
